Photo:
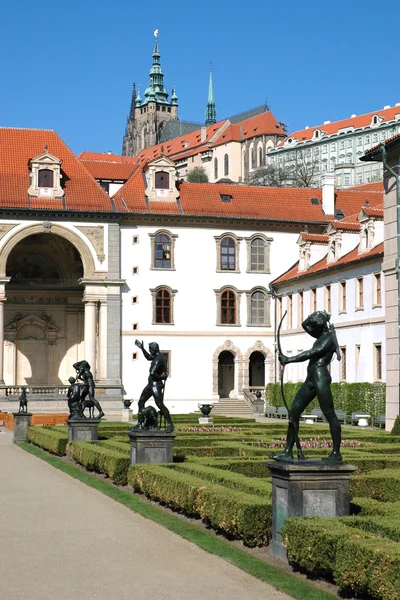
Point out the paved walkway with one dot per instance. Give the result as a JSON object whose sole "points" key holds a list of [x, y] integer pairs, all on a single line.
{"points": [[61, 539]]}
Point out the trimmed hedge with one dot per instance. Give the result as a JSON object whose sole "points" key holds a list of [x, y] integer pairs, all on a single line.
{"points": [[48, 438], [358, 561], [220, 449], [227, 479], [378, 485], [95, 457], [236, 513], [369, 397]]}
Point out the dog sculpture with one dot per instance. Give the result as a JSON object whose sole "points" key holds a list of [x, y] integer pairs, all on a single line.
{"points": [[148, 418]]}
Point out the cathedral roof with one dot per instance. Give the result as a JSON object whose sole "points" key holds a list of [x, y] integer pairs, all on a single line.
{"points": [[108, 166], [18, 147], [264, 124]]}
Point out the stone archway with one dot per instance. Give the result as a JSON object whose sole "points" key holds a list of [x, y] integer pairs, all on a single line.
{"points": [[238, 364], [269, 362]]}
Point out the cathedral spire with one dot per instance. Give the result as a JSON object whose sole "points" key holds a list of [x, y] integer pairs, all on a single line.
{"points": [[156, 90], [133, 102], [211, 112]]}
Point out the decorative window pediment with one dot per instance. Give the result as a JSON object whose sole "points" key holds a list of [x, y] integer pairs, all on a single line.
{"points": [[45, 176], [160, 180]]}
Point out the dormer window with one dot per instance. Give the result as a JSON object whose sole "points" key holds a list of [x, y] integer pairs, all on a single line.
{"points": [[45, 178], [161, 180], [45, 175], [367, 234]]}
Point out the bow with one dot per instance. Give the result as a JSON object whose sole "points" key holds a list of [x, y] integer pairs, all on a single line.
{"points": [[291, 424]]}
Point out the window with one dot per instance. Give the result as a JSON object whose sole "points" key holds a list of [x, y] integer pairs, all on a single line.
{"points": [[104, 184], [258, 308], [135, 299], [358, 352], [359, 141], [360, 293], [343, 294], [167, 354], [349, 143], [378, 362], [258, 251], [313, 299], [163, 305], [342, 144], [377, 289], [162, 180], [135, 239], [135, 326], [300, 310], [260, 157], [45, 178], [367, 139], [135, 270], [135, 356], [280, 313], [290, 310], [215, 168], [328, 298], [226, 165], [325, 149], [333, 147], [228, 308], [253, 158], [163, 250], [228, 253], [343, 364]]}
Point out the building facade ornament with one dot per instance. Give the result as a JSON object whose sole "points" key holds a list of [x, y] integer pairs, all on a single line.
{"points": [[95, 235]]}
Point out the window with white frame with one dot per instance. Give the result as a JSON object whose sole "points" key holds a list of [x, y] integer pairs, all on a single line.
{"points": [[258, 253], [300, 309], [313, 299], [328, 303], [228, 252], [378, 362], [359, 293], [258, 308], [343, 296], [163, 250], [377, 280], [290, 310], [343, 364], [228, 304]]}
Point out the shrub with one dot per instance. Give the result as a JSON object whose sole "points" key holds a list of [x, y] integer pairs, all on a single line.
{"points": [[396, 426], [48, 438], [379, 485], [95, 457], [242, 515]]}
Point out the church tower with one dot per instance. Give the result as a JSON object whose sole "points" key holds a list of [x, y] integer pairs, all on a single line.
{"points": [[211, 111], [148, 117]]}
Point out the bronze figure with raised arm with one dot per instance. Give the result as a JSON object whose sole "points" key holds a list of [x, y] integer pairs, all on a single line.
{"points": [[317, 383]]}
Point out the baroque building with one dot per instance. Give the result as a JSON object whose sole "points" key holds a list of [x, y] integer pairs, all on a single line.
{"points": [[337, 148]]}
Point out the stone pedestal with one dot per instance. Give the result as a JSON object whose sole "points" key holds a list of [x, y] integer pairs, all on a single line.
{"points": [[206, 421], [21, 423], [126, 415], [307, 489], [151, 447], [83, 430]]}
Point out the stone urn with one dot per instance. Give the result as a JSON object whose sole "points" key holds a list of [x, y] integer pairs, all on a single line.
{"points": [[127, 403], [205, 409]]}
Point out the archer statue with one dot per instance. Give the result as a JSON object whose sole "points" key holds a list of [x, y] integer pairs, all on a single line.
{"points": [[317, 383], [155, 386]]}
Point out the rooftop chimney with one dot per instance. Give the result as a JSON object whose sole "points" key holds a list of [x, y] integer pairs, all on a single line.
{"points": [[352, 116], [327, 122], [328, 193], [203, 134], [387, 106]]}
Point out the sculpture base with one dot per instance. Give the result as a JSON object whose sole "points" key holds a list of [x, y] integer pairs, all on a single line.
{"points": [[307, 489], [22, 421], [206, 420], [126, 415], [151, 447], [83, 430]]}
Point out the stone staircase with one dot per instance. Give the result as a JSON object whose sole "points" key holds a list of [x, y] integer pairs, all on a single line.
{"points": [[231, 407]]}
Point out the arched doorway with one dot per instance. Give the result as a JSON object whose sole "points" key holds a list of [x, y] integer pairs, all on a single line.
{"points": [[44, 313], [257, 369], [226, 374]]}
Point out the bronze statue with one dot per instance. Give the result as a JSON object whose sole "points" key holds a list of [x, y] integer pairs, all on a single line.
{"points": [[82, 369], [317, 383], [74, 400], [148, 418], [156, 383], [23, 401]]}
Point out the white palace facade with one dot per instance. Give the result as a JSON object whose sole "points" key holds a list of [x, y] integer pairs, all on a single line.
{"points": [[84, 273]]}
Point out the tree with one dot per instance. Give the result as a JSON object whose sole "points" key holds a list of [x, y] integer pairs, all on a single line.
{"points": [[197, 175], [299, 172]]}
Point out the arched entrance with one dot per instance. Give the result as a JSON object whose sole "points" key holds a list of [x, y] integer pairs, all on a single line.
{"points": [[226, 374], [257, 369], [44, 313]]}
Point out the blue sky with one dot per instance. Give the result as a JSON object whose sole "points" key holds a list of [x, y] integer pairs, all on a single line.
{"points": [[70, 66]]}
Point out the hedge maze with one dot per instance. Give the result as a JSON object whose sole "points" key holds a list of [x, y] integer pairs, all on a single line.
{"points": [[218, 475]]}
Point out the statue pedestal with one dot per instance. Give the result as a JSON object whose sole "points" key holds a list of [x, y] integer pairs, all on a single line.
{"points": [[206, 421], [22, 421], [126, 415], [307, 489], [151, 447], [83, 430]]}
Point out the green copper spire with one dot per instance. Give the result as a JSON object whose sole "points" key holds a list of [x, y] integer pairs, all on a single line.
{"points": [[156, 90], [211, 112]]}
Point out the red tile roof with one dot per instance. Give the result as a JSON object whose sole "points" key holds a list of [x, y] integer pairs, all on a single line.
{"points": [[369, 187], [18, 146], [346, 225], [361, 121], [264, 124], [386, 142], [293, 274], [315, 238]]}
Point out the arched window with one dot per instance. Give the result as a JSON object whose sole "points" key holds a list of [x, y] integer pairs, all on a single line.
{"points": [[162, 180], [257, 255], [45, 178], [260, 157], [228, 254], [163, 308], [228, 308], [162, 251], [215, 168], [253, 159], [226, 165]]}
